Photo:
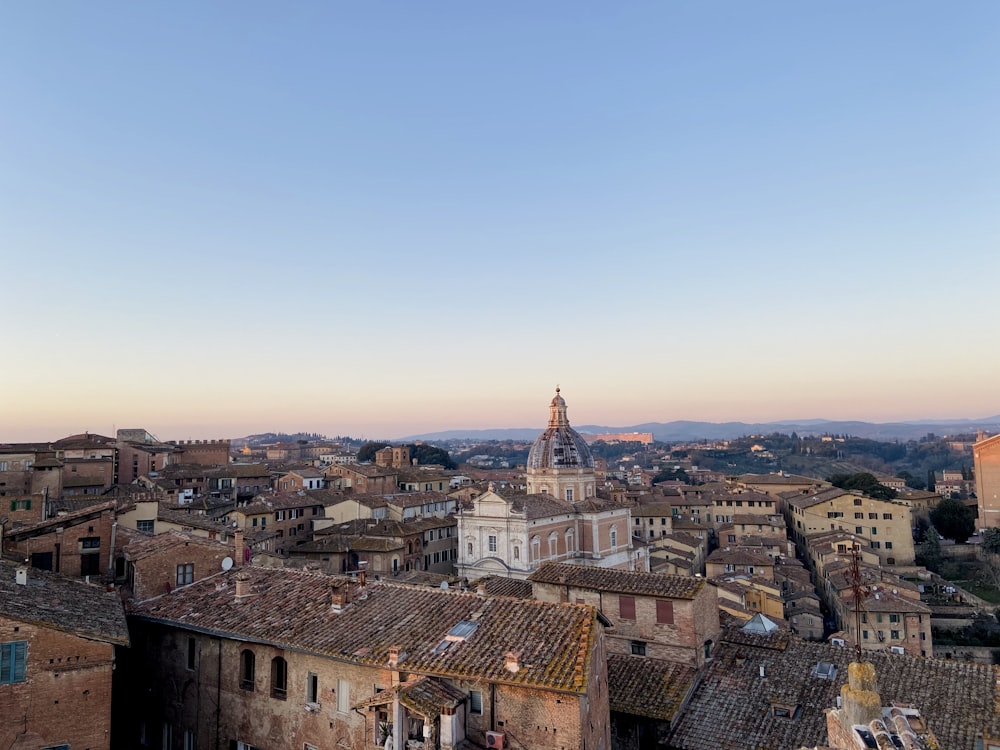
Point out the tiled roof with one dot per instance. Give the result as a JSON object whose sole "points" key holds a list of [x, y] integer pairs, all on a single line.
{"points": [[292, 609], [739, 557], [643, 686], [67, 519], [192, 520], [63, 604], [503, 586], [777, 479], [817, 498], [146, 546], [620, 581], [731, 709]]}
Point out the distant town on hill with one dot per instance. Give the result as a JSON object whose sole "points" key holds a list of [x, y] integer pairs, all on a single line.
{"points": [[683, 430]]}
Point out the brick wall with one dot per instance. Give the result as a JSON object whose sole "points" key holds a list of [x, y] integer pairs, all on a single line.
{"points": [[66, 698], [157, 573], [70, 554]]}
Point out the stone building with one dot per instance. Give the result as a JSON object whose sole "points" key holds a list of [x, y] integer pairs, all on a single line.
{"points": [[285, 660], [986, 459], [57, 653], [559, 519]]}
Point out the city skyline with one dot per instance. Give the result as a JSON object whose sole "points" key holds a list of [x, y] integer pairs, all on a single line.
{"points": [[221, 220]]}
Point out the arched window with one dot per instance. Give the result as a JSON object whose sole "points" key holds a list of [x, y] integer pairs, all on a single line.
{"points": [[470, 549], [395, 565], [553, 544], [536, 548], [409, 548], [517, 552], [247, 666], [570, 542], [279, 678], [614, 537]]}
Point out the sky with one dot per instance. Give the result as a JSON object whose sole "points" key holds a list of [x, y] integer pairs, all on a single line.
{"points": [[380, 219]]}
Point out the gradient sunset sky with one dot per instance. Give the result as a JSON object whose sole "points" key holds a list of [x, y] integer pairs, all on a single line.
{"points": [[380, 219]]}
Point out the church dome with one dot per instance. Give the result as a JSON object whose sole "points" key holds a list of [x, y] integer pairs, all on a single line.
{"points": [[560, 446]]}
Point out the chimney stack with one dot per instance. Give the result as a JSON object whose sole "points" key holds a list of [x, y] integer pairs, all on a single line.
{"points": [[238, 547], [21, 577], [512, 661], [393, 657], [242, 586]]}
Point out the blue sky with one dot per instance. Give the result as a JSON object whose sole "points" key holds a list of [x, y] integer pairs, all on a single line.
{"points": [[376, 218]]}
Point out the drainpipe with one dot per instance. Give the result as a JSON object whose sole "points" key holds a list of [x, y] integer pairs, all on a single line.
{"points": [[218, 698]]}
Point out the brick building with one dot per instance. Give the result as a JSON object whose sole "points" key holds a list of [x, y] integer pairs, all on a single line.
{"points": [[157, 565], [662, 616], [284, 659], [74, 544], [57, 653]]}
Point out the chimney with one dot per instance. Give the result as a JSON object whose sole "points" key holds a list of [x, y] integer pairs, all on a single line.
{"points": [[393, 657], [481, 589], [21, 577], [238, 547], [242, 586], [340, 595], [512, 661]]}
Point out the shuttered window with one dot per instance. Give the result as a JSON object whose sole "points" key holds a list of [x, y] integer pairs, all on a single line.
{"points": [[664, 612], [626, 607], [13, 662]]}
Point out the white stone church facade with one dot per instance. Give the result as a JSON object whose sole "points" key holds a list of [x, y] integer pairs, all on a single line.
{"points": [[560, 519]]}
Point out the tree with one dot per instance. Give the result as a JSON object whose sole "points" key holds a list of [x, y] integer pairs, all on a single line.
{"points": [[991, 541], [431, 454], [929, 552], [668, 475], [953, 520], [931, 480], [864, 482]]}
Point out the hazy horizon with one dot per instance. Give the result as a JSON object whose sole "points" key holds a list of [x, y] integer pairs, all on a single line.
{"points": [[220, 219]]}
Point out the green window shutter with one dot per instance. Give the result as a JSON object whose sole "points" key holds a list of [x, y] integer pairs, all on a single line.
{"points": [[20, 653], [27, 504], [13, 504]]}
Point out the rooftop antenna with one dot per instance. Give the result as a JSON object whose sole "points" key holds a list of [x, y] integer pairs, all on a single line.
{"points": [[860, 592]]}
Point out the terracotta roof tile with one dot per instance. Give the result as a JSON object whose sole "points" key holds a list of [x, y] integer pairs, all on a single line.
{"points": [[643, 686], [63, 604], [292, 609], [620, 581]]}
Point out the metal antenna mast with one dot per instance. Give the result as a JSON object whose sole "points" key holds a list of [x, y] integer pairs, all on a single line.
{"points": [[860, 592]]}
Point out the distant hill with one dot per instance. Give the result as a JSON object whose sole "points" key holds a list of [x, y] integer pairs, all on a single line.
{"points": [[688, 430]]}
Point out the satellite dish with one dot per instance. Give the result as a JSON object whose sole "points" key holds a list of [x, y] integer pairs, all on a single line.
{"points": [[227, 563]]}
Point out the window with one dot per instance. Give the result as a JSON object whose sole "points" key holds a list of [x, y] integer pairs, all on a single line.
{"points": [[13, 662], [859, 515], [192, 652], [145, 526], [247, 661], [553, 544], [569, 495], [894, 634], [857, 501], [312, 688], [470, 549], [626, 607], [859, 529], [279, 678], [475, 702], [893, 618], [343, 696], [517, 552], [492, 542], [188, 739], [888, 545], [638, 648], [664, 612], [874, 530], [864, 635], [614, 537], [185, 574]]}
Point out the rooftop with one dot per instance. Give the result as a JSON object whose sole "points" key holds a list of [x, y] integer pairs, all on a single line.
{"points": [[619, 581], [65, 604], [643, 686], [732, 707], [292, 609]]}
